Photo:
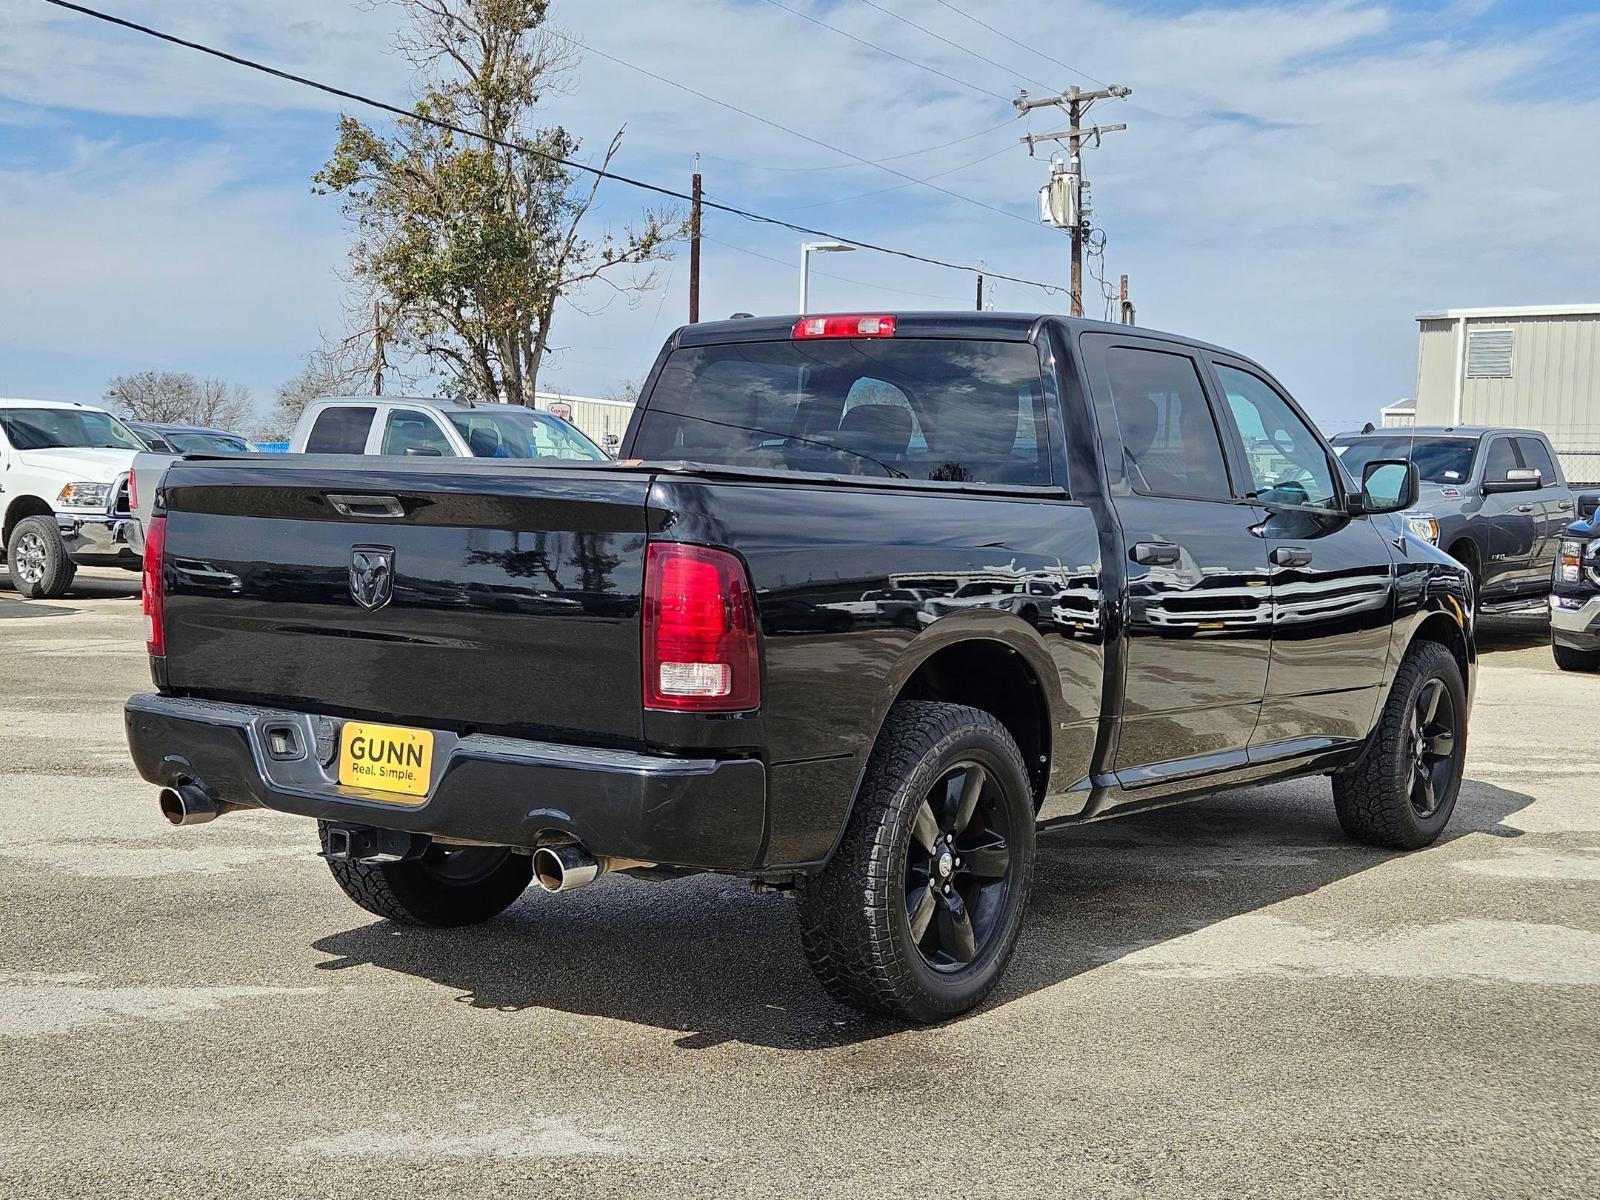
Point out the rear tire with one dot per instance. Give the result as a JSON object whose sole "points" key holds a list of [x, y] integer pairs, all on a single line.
{"points": [[1400, 793], [447, 887], [37, 559], [1570, 659], [941, 838]]}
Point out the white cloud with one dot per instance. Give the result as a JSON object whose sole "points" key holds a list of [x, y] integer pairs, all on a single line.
{"points": [[1297, 180]]}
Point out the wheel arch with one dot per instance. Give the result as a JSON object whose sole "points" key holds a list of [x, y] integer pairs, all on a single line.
{"points": [[20, 508], [998, 667]]}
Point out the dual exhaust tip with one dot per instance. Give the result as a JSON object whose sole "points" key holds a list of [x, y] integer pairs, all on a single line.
{"points": [[563, 868]]}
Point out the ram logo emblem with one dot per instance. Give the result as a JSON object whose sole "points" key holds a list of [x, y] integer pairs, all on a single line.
{"points": [[371, 575]]}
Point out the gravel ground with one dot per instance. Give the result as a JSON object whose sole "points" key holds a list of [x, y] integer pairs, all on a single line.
{"points": [[1224, 999]]}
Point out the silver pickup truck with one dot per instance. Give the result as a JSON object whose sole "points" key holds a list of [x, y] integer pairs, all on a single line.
{"points": [[1494, 499]]}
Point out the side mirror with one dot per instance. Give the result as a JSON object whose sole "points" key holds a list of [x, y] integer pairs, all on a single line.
{"points": [[1388, 485], [422, 452], [1518, 479]]}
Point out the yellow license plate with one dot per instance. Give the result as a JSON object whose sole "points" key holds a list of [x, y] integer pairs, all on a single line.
{"points": [[386, 758]]}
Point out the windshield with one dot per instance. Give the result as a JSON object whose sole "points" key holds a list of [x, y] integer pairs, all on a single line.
{"points": [[204, 443], [1439, 460], [57, 428], [523, 433]]}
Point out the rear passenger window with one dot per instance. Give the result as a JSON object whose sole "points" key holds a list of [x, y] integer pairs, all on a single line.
{"points": [[1535, 455], [340, 431], [1170, 445], [909, 408]]}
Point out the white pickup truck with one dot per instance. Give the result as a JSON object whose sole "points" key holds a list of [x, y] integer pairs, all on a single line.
{"points": [[64, 492]]}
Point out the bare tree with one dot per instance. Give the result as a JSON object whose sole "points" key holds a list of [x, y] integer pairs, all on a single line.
{"points": [[178, 398], [221, 405], [333, 369], [164, 397], [469, 245]]}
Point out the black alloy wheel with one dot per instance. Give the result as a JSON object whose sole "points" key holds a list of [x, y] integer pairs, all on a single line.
{"points": [[918, 911], [957, 868], [1432, 745], [1402, 790]]}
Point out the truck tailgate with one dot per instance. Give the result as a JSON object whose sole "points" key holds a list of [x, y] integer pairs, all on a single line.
{"points": [[513, 603]]}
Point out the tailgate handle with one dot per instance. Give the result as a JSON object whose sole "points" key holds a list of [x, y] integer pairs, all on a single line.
{"points": [[366, 506]]}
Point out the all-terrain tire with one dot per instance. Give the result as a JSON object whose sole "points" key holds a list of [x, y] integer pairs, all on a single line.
{"points": [[1569, 658], [1373, 796], [853, 915], [440, 889], [37, 559]]}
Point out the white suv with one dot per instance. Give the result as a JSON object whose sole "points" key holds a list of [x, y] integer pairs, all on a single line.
{"points": [[64, 492]]}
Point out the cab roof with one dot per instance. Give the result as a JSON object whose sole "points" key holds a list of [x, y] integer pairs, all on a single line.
{"points": [[999, 326]]}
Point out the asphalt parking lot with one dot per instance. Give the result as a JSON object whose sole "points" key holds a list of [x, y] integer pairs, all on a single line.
{"points": [[1224, 999]]}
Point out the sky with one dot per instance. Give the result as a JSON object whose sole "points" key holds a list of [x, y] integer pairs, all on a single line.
{"points": [[1297, 180]]}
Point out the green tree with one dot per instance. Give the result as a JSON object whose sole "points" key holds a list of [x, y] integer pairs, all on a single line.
{"points": [[471, 246]]}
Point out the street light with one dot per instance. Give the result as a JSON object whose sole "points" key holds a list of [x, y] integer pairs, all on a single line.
{"points": [[805, 265]]}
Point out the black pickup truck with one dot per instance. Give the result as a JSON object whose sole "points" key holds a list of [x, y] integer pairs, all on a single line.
{"points": [[867, 601]]}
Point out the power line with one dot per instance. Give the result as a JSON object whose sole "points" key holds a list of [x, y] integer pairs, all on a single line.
{"points": [[875, 162], [882, 287], [940, 37], [744, 112], [900, 186], [523, 148], [1023, 45], [873, 46]]}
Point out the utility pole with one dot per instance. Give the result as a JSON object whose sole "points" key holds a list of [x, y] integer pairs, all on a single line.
{"points": [[980, 291], [1068, 209], [1129, 315], [694, 249], [377, 347]]}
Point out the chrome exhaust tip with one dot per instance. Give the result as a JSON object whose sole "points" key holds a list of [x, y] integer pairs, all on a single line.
{"points": [[188, 805], [564, 868]]}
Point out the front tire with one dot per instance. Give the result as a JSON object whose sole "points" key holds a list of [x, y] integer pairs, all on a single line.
{"points": [[448, 886], [1400, 793], [37, 559], [916, 915], [1569, 658]]}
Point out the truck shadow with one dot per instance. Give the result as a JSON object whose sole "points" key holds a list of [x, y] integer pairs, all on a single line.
{"points": [[1513, 631], [710, 959]]}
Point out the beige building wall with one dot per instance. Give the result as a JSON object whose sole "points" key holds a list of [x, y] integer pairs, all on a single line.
{"points": [[1554, 385]]}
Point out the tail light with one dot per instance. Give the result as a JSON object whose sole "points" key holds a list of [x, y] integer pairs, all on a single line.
{"points": [[700, 652], [843, 327], [133, 492], [155, 587]]}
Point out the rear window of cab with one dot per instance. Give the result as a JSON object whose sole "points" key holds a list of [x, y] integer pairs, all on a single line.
{"points": [[964, 411]]}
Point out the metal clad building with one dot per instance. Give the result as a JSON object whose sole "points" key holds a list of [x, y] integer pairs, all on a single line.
{"points": [[1536, 368], [599, 418]]}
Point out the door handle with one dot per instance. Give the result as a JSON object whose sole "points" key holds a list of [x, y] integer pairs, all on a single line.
{"points": [[1524, 508], [1154, 554], [1291, 556], [1565, 505], [366, 506]]}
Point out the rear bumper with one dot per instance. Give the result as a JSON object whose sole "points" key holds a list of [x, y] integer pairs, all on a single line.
{"points": [[100, 541], [1576, 627], [682, 812]]}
